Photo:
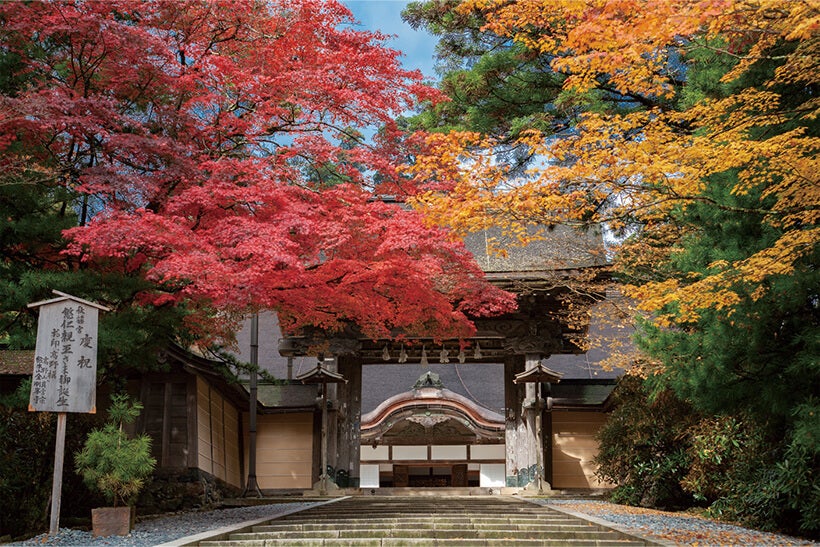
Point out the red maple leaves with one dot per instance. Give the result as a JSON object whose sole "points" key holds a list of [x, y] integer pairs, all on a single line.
{"points": [[220, 145]]}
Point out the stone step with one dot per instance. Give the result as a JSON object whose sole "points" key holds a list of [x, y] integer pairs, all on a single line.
{"points": [[453, 533], [438, 511], [432, 522], [437, 492], [474, 500], [495, 514], [450, 522], [424, 542], [548, 518], [500, 513], [448, 508], [307, 527], [441, 510]]}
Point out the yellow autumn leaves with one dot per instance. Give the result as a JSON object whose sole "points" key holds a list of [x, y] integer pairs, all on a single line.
{"points": [[633, 168]]}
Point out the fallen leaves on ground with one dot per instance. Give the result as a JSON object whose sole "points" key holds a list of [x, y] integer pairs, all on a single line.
{"points": [[701, 532]]}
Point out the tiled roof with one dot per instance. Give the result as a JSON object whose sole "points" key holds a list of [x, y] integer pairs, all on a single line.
{"points": [[482, 383], [558, 248], [16, 362], [578, 393]]}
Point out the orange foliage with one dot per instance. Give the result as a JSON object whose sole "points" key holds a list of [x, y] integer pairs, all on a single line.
{"points": [[635, 167]]}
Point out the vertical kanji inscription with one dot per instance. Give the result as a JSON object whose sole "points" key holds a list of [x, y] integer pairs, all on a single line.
{"points": [[65, 364]]}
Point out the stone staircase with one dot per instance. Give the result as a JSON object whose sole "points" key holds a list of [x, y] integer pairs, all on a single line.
{"points": [[425, 521]]}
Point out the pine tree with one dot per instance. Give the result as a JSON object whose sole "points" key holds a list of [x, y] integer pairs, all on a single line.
{"points": [[113, 463], [696, 143]]}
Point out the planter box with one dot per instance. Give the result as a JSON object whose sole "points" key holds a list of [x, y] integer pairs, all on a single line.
{"points": [[111, 521]]}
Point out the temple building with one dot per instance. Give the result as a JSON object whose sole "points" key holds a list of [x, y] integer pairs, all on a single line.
{"points": [[421, 414], [514, 408]]}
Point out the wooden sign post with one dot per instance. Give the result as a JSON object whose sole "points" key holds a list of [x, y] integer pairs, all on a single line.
{"points": [[65, 372]]}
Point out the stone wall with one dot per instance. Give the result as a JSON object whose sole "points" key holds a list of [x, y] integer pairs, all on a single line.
{"points": [[181, 490]]}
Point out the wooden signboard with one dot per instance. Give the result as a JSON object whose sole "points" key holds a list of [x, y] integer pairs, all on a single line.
{"points": [[65, 372], [65, 362]]}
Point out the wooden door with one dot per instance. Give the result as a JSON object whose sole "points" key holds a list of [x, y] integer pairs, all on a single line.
{"points": [[401, 476], [459, 478]]}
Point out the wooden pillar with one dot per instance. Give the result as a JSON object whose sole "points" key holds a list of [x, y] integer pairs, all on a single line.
{"points": [[519, 437], [527, 430], [323, 477], [333, 418], [57, 482], [533, 419], [547, 394], [316, 467], [535, 411], [349, 417]]}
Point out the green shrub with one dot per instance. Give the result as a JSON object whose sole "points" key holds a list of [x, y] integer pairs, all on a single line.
{"points": [[27, 466], [725, 451], [766, 483], [798, 472], [661, 453], [111, 462], [643, 447]]}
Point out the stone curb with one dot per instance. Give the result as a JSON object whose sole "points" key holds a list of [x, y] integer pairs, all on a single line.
{"points": [[246, 526]]}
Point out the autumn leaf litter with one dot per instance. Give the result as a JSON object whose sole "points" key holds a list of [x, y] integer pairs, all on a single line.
{"points": [[675, 527]]}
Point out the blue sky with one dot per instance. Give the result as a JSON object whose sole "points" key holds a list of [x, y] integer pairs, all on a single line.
{"points": [[418, 47]]}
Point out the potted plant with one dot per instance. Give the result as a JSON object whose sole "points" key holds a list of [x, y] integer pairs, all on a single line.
{"points": [[117, 466]]}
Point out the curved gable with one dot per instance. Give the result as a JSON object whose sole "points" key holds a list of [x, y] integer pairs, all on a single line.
{"points": [[431, 415]]}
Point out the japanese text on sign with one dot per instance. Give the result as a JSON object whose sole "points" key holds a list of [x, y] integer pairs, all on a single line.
{"points": [[65, 363]]}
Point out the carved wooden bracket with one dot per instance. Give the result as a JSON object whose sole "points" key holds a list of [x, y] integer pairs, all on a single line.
{"points": [[428, 422]]}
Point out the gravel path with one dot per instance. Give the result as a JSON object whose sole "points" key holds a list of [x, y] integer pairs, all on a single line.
{"points": [[672, 528], [154, 531], [676, 528]]}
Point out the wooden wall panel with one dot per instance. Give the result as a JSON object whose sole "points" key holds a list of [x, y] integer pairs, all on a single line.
{"points": [[177, 433], [233, 469], [284, 453], [218, 435], [203, 423], [167, 419], [191, 425], [152, 415], [573, 449]]}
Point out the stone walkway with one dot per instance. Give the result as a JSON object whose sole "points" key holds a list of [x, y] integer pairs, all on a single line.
{"points": [[426, 521], [660, 526]]}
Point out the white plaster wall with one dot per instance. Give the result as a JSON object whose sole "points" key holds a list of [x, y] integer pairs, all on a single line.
{"points": [[369, 475], [449, 452], [492, 475], [371, 453], [409, 452], [487, 452]]}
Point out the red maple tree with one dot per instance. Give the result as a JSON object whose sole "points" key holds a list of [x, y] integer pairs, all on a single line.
{"points": [[219, 149]]}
